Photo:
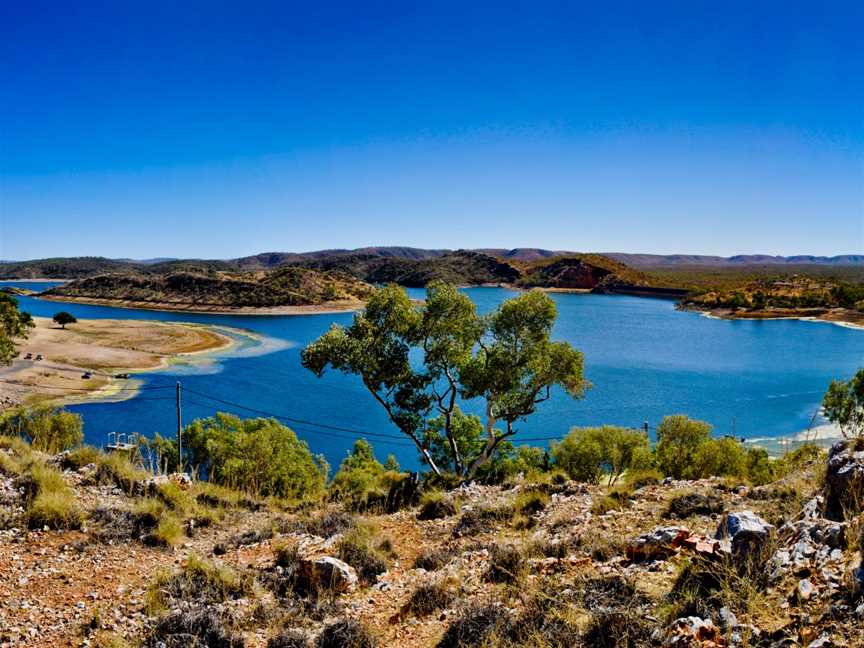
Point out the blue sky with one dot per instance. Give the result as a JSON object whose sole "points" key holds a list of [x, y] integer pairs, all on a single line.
{"points": [[219, 129]]}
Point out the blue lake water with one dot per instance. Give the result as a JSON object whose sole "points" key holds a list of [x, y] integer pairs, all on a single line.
{"points": [[644, 359]]}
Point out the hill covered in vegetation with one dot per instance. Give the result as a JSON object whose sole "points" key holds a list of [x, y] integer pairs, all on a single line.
{"points": [[290, 286]]}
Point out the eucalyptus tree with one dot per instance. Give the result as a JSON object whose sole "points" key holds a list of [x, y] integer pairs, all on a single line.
{"points": [[14, 323], [417, 360]]}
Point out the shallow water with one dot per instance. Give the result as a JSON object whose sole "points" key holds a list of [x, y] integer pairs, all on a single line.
{"points": [[644, 359]]}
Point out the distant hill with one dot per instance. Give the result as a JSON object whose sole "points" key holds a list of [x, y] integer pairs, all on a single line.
{"points": [[671, 260], [61, 268]]}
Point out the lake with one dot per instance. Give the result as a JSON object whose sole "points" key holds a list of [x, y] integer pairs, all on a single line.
{"points": [[756, 379]]}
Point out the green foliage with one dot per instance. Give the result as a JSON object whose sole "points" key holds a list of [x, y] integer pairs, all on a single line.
{"points": [[678, 440], [359, 479], [63, 318], [844, 404], [643, 477], [586, 453], [14, 324], [506, 358], [258, 456], [51, 502], [724, 457], [435, 505], [363, 549], [47, 429]]}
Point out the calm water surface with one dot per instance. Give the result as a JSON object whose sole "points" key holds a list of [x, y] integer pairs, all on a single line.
{"points": [[644, 359]]}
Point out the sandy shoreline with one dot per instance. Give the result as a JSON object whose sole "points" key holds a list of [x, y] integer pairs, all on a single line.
{"points": [[103, 349], [838, 316], [309, 309]]}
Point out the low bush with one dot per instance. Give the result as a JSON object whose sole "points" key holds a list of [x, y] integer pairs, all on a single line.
{"points": [[55, 510], [168, 532], [478, 625], [289, 638], [361, 549], [117, 468], [81, 456], [530, 501], [435, 505], [428, 599], [433, 559], [198, 581], [50, 501], [197, 628], [327, 524], [481, 519], [346, 633], [602, 504], [506, 564], [640, 478], [614, 628]]}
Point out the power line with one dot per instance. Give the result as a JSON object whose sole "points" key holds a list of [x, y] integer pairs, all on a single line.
{"points": [[403, 442], [293, 419]]}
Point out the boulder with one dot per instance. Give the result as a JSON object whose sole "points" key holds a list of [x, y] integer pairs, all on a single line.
{"points": [[844, 479], [329, 574], [748, 534]]}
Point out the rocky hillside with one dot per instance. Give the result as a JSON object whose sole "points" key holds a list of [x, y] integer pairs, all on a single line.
{"points": [[586, 272], [165, 561], [289, 286]]}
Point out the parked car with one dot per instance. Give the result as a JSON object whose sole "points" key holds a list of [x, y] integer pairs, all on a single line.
{"points": [[123, 375], [29, 356], [86, 375], [38, 356]]}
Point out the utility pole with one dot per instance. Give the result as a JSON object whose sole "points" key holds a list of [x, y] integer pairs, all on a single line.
{"points": [[645, 427], [179, 429]]}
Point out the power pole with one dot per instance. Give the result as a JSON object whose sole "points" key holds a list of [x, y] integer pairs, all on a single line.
{"points": [[645, 427], [179, 429]]}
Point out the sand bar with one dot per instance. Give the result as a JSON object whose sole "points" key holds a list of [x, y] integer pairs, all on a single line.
{"points": [[104, 348]]}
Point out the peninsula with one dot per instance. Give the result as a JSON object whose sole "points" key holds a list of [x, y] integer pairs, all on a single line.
{"points": [[84, 361]]}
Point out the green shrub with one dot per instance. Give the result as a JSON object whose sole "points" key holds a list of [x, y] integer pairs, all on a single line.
{"points": [[362, 549], [678, 441], [48, 429], [54, 509], [359, 477], [198, 581], [346, 633], [117, 468], [506, 564], [435, 505], [168, 532], [529, 502], [429, 598], [644, 477], [258, 456], [724, 457], [82, 456], [586, 453], [433, 559]]}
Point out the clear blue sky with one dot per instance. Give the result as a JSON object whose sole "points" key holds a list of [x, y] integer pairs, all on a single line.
{"points": [[219, 129]]}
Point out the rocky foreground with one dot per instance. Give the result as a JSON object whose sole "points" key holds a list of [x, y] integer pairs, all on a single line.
{"points": [[556, 563]]}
